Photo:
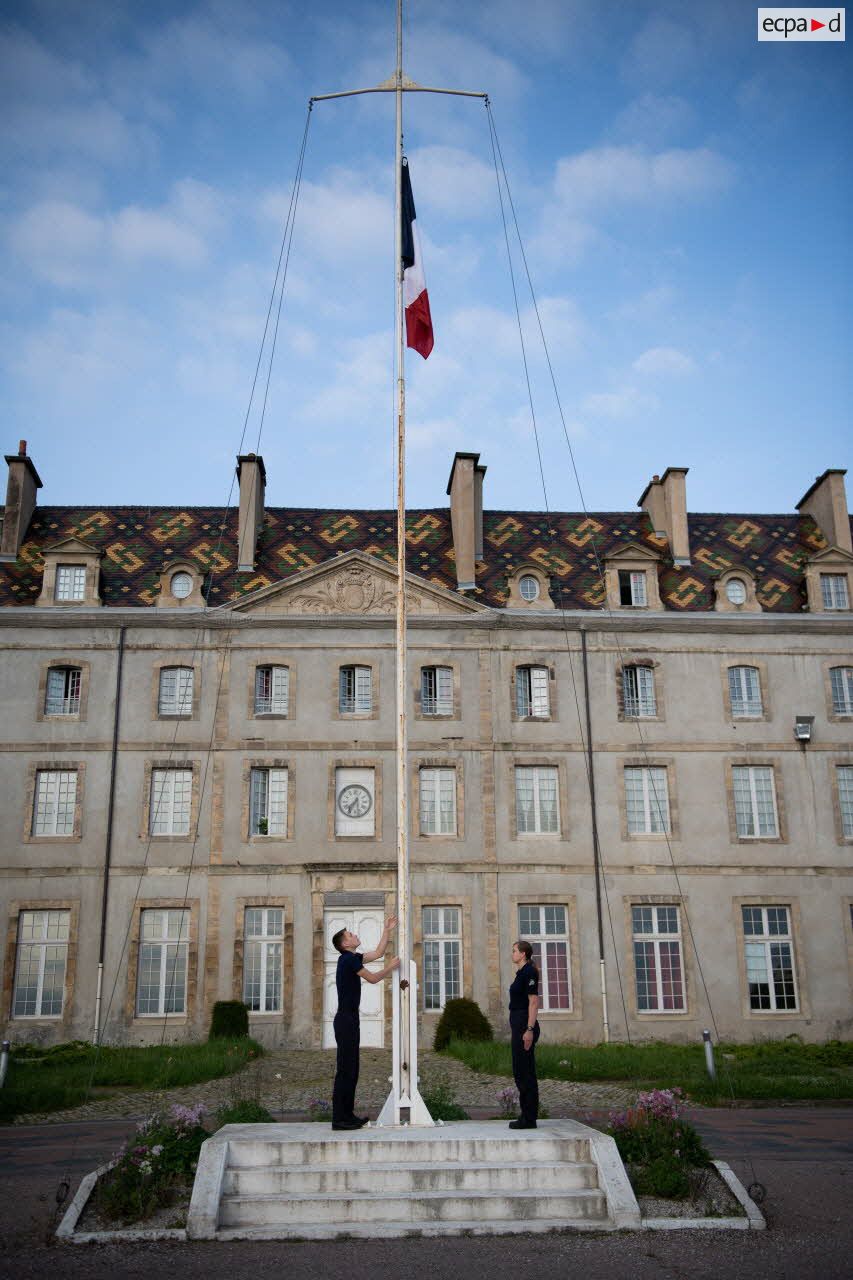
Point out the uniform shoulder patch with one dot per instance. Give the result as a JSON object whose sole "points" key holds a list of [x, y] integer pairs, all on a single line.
{"points": [[532, 982]]}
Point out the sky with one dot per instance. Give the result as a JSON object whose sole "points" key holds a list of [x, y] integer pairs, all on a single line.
{"points": [[683, 194]]}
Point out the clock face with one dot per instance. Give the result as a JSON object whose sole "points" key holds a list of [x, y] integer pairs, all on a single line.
{"points": [[355, 801]]}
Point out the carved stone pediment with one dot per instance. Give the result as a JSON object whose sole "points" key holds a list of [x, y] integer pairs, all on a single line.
{"points": [[353, 584]]}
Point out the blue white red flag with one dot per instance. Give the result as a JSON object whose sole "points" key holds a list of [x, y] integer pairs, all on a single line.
{"points": [[419, 334]]}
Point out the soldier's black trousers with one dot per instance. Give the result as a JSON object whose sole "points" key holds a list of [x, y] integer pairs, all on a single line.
{"points": [[524, 1065], [348, 1039]]}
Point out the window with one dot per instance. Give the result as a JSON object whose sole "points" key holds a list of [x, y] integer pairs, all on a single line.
{"points": [[176, 692], [182, 585], [638, 692], [745, 692], [41, 958], [171, 797], [528, 587], [442, 956], [536, 805], [833, 591], [71, 582], [437, 691], [844, 775], [268, 802], [768, 951], [438, 802], [162, 974], [647, 800], [736, 591], [841, 680], [632, 587], [263, 936], [272, 691], [355, 810], [355, 691], [62, 694], [55, 802], [532, 697], [546, 928], [755, 801], [657, 959]]}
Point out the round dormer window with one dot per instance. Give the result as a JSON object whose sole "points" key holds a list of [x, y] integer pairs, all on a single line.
{"points": [[529, 587], [182, 585], [736, 591]]}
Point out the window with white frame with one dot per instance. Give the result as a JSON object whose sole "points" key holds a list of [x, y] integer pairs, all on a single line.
{"points": [[41, 958], [638, 692], [54, 802], [442, 933], [263, 938], [176, 692], [546, 928], [647, 799], [537, 808], [268, 802], [769, 955], [632, 588], [438, 802], [437, 691], [745, 692], [355, 690], [272, 691], [532, 695], [62, 692], [844, 777], [833, 591], [171, 801], [841, 682], [161, 985], [70, 582], [658, 967], [755, 801]]}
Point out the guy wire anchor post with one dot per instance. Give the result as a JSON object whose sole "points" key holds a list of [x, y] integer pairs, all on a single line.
{"points": [[709, 1054]]}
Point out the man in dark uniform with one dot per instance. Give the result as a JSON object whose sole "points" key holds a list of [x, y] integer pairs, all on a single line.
{"points": [[524, 1032], [349, 977]]}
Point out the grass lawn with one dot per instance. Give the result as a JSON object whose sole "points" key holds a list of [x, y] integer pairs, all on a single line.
{"points": [[63, 1076], [778, 1069]]}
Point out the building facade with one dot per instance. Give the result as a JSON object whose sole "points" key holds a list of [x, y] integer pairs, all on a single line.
{"points": [[197, 762]]}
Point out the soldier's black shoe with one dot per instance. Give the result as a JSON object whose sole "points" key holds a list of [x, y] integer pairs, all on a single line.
{"points": [[346, 1124], [362, 1120], [522, 1124]]}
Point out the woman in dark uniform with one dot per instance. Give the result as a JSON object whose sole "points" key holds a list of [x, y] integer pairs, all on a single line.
{"points": [[524, 1029]]}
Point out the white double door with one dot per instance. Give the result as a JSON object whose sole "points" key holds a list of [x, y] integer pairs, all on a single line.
{"points": [[367, 922]]}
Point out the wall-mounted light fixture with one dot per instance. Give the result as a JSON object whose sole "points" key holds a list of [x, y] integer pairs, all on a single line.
{"points": [[803, 729]]}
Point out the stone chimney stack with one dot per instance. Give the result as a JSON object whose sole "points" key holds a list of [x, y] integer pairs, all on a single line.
{"points": [[21, 488], [252, 475], [826, 503], [465, 487], [664, 499]]}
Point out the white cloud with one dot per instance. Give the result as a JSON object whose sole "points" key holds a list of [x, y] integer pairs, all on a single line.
{"points": [[453, 181], [653, 119], [607, 176], [626, 402], [662, 52], [664, 360], [138, 234], [340, 219], [59, 240]]}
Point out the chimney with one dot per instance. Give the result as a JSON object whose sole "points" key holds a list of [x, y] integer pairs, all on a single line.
{"points": [[465, 487], [253, 482], [664, 499], [826, 503], [21, 490]]}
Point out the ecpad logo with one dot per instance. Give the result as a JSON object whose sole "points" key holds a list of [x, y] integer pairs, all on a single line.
{"points": [[801, 24]]}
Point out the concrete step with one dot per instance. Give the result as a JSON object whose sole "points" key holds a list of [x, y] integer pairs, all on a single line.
{"points": [[414, 1209], [334, 1149], [385, 1179], [381, 1230]]}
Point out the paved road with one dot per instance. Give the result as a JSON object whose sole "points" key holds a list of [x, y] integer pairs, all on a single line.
{"points": [[803, 1156]]}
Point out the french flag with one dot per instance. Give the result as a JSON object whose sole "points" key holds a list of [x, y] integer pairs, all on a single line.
{"points": [[415, 298]]}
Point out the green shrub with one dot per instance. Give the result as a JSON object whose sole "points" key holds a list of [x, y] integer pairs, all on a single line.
{"points": [[662, 1176], [230, 1020], [659, 1148], [155, 1163], [461, 1020], [244, 1111], [442, 1105]]}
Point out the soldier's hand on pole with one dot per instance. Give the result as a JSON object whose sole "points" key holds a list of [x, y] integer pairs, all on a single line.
{"points": [[390, 923]]}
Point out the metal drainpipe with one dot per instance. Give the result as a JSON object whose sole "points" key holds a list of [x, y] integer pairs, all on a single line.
{"points": [[596, 852], [109, 846]]}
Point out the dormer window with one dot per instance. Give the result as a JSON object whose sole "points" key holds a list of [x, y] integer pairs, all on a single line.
{"points": [[736, 591], [631, 577], [71, 574], [632, 588], [181, 585], [833, 591], [528, 587], [70, 582]]}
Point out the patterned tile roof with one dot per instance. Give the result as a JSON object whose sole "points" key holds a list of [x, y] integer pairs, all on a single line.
{"points": [[136, 542]]}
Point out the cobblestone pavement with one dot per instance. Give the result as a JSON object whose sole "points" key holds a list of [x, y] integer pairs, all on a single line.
{"points": [[286, 1081]]}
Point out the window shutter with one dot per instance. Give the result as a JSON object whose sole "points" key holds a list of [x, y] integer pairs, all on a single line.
{"points": [[444, 690], [539, 691]]}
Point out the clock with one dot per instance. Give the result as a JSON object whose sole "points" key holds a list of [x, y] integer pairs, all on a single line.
{"points": [[355, 801]]}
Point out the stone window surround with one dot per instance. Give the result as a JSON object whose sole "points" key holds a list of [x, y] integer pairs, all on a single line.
{"points": [[630, 900], [746, 660], [263, 716], [164, 664], [361, 762], [437, 660], [16, 906], [847, 909], [359, 660], [285, 1015], [191, 905], [71, 551], [832, 560], [828, 663], [802, 1014], [462, 901], [52, 766], [722, 604], [265, 762], [760, 762], [640, 659], [145, 816], [516, 600], [532, 659], [165, 599], [75, 717], [632, 558], [649, 762], [533, 762], [437, 762], [833, 761], [569, 901]]}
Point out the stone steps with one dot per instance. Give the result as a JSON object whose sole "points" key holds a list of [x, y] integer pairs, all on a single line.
{"points": [[417, 1176]]}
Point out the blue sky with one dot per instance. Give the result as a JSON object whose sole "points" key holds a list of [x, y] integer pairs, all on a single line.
{"points": [[683, 194]]}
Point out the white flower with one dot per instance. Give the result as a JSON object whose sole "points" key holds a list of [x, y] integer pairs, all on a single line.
{"points": [[278, 1075]]}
